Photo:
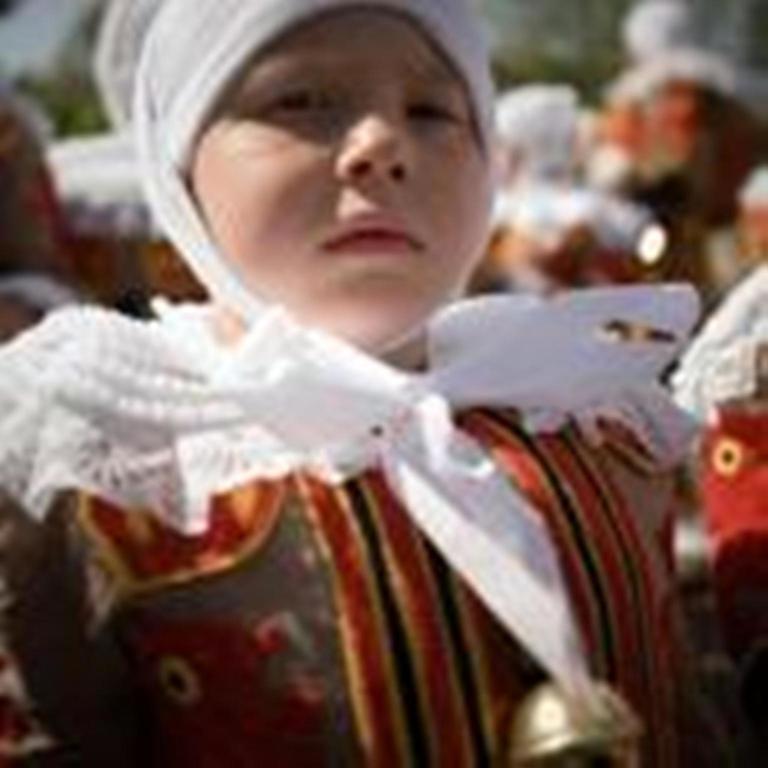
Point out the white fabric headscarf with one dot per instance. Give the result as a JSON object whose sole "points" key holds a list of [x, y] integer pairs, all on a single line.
{"points": [[158, 415], [541, 124], [655, 27], [193, 52], [754, 192], [121, 36]]}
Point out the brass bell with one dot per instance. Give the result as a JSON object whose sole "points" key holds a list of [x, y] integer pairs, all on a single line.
{"points": [[551, 729]]}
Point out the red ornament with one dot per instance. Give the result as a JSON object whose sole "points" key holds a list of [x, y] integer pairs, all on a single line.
{"points": [[217, 700], [735, 496]]}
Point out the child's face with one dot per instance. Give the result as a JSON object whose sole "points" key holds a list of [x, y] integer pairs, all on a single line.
{"points": [[343, 178]]}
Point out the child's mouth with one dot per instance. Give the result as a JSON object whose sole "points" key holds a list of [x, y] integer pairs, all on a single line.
{"points": [[374, 241]]}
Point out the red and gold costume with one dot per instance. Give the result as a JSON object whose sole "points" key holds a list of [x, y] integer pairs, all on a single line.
{"points": [[314, 625], [734, 484]]}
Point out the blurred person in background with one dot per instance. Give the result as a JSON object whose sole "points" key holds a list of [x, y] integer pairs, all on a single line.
{"points": [[723, 381], [121, 258], [680, 133], [551, 232], [737, 252], [34, 243], [26, 297]]}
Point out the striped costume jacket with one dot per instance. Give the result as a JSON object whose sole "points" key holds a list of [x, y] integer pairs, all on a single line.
{"points": [[313, 625]]}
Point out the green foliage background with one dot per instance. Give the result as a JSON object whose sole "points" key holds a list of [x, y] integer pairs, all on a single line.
{"points": [[574, 41]]}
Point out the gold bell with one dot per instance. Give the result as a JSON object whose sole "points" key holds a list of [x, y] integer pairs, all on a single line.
{"points": [[554, 730]]}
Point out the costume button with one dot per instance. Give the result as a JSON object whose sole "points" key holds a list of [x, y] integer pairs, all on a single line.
{"points": [[303, 705], [179, 681], [271, 636], [307, 692], [728, 457]]}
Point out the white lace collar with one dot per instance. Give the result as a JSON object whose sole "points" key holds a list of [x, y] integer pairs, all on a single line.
{"points": [[721, 364], [156, 415]]}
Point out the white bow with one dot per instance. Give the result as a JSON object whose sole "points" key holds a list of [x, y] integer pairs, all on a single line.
{"points": [[158, 416]]}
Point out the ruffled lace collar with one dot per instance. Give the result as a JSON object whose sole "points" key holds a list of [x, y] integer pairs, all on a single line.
{"points": [[156, 415]]}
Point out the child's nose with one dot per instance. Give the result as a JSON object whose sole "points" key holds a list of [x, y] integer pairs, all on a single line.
{"points": [[374, 148]]}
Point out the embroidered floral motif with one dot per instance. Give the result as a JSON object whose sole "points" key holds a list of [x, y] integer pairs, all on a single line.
{"points": [[214, 698], [141, 554]]}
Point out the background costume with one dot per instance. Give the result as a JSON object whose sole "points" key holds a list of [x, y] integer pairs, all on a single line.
{"points": [[681, 130], [722, 380], [551, 231]]}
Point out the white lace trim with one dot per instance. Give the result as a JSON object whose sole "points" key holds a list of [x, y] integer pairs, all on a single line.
{"points": [[721, 364], [155, 415]]}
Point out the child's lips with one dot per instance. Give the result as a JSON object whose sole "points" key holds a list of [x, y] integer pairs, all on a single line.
{"points": [[373, 240]]}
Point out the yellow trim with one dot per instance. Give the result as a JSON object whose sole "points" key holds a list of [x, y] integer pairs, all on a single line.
{"points": [[354, 672], [559, 523], [105, 550], [481, 668], [129, 586], [728, 457], [406, 610], [176, 668], [140, 528]]}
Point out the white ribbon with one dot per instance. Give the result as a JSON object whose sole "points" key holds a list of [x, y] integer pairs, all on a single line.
{"points": [[158, 416]]}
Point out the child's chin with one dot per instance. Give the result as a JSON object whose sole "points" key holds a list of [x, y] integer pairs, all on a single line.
{"points": [[382, 337]]}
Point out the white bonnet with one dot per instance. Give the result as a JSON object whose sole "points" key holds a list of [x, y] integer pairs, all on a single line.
{"points": [[700, 66], [547, 212], [121, 35], [194, 49], [754, 193], [655, 27], [192, 52], [541, 123]]}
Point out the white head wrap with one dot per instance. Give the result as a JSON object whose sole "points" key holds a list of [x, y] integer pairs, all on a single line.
{"points": [[118, 48], [547, 213], [541, 123], [754, 193], [654, 27], [192, 53], [662, 39], [701, 66]]}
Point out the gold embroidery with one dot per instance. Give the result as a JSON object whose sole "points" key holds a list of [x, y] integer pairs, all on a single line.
{"points": [[242, 502], [728, 457], [265, 500], [140, 528], [179, 681]]}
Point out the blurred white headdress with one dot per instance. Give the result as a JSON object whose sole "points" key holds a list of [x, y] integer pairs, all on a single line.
{"points": [[540, 123], [655, 27], [661, 38], [754, 193], [118, 49]]}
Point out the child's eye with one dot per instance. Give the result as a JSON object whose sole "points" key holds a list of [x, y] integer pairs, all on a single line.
{"points": [[432, 111], [300, 101]]}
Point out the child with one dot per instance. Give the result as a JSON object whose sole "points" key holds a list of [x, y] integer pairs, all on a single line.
{"points": [[327, 518]]}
